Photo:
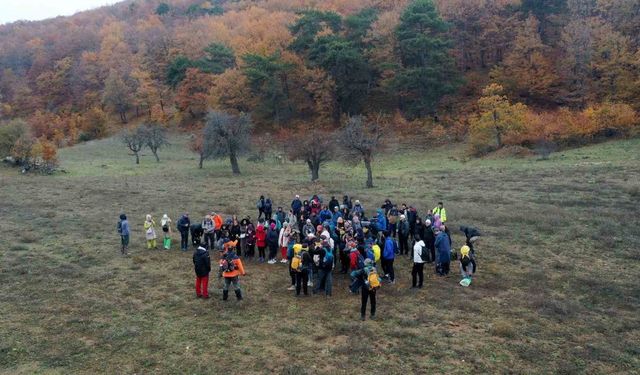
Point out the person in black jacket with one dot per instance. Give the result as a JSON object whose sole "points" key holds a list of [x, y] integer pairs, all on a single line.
{"points": [[272, 242], [183, 225], [196, 234], [202, 266], [429, 239], [333, 203]]}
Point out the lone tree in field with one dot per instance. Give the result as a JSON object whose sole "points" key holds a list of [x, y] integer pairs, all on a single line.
{"points": [[227, 135], [197, 145], [134, 139], [361, 139], [313, 146], [155, 138]]}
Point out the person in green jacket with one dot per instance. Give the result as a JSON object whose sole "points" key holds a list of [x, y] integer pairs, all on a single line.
{"points": [[440, 210]]}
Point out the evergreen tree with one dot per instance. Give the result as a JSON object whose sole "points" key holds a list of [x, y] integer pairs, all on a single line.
{"points": [[428, 70]]}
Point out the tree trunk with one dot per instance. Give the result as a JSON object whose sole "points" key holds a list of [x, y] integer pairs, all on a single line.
{"points": [[234, 163], [201, 161], [314, 168], [137, 158], [155, 153], [367, 164], [162, 106]]}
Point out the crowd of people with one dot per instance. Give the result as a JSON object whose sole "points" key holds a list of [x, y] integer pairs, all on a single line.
{"points": [[314, 239]]}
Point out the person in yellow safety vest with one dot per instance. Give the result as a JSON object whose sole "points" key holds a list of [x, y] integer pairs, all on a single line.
{"points": [[440, 210]]}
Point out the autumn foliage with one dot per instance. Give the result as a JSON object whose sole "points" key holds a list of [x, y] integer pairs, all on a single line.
{"points": [[568, 71]]}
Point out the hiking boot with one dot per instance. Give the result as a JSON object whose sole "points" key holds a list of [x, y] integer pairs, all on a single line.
{"points": [[239, 294], [205, 297], [292, 287], [225, 295], [372, 317], [362, 317]]}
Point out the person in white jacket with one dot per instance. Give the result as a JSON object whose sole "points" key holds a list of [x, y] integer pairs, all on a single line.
{"points": [[283, 241], [420, 256]]}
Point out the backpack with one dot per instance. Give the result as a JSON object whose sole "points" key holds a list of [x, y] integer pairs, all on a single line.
{"points": [[316, 259], [259, 204], [296, 263], [425, 255], [227, 264], [373, 280]]}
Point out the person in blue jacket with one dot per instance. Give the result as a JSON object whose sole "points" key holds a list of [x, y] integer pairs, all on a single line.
{"points": [[123, 231], [325, 215], [443, 251], [388, 256], [381, 220]]}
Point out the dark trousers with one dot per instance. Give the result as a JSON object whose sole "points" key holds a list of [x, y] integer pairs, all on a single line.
{"points": [[387, 268], [324, 282], [292, 273], [261, 251], [209, 240], [443, 268], [368, 294], [344, 261], [417, 273], [273, 250], [260, 213], [184, 240], [302, 278], [404, 244], [251, 249]]}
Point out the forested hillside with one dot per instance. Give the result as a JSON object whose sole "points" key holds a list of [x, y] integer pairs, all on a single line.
{"points": [[502, 71]]}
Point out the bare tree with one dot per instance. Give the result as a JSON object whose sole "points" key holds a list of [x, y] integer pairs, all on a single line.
{"points": [[198, 146], [227, 135], [313, 146], [361, 139], [155, 138], [134, 139]]}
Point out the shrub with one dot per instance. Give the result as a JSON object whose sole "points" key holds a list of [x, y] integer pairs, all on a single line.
{"points": [[9, 133]]}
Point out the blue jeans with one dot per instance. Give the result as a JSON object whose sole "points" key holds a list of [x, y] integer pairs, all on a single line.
{"points": [[324, 282]]}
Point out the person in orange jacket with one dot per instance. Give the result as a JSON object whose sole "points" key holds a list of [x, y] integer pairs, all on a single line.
{"points": [[217, 223], [231, 269]]}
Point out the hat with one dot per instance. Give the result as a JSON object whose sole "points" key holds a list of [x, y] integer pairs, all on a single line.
{"points": [[427, 222], [402, 217], [297, 248], [273, 225], [308, 221], [357, 201], [297, 196], [123, 217], [464, 251], [148, 217], [367, 262], [319, 228], [285, 224]]}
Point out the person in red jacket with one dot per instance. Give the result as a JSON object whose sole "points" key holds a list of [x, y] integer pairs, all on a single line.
{"points": [[261, 241], [231, 269]]}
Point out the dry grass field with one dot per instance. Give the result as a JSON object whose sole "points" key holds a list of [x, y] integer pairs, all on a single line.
{"points": [[557, 289]]}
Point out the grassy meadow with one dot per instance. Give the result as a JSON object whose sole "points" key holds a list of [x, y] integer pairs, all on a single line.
{"points": [[556, 290]]}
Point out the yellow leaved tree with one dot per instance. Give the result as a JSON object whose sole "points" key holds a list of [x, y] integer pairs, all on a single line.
{"points": [[497, 119]]}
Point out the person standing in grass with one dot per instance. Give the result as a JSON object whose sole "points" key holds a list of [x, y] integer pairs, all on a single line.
{"points": [[123, 231], [150, 232], [183, 225], [209, 229], [202, 266], [429, 240], [272, 243], [403, 235], [231, 269], [420, 255], [261, 241], [165, 224], [260, 207], [283, 241], [301, 266], [324, 270], [388, 256], [251, 239], [440, 211], [369, 285], [443, 252]]}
